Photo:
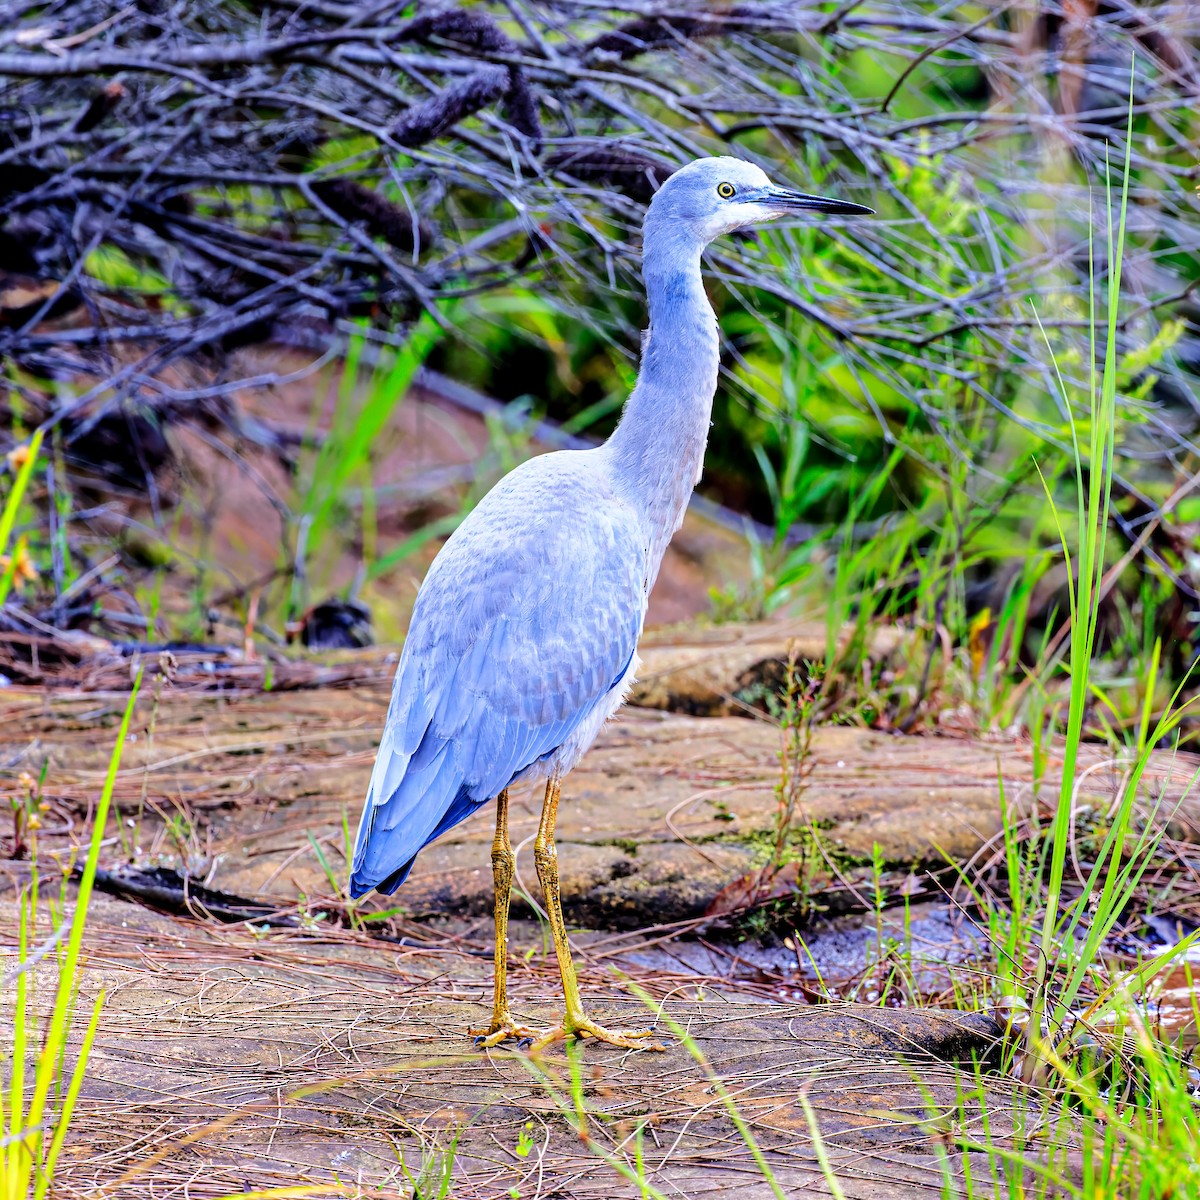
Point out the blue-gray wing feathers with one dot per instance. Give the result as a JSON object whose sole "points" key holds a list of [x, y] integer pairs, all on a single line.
{"points": [[527, 620]]}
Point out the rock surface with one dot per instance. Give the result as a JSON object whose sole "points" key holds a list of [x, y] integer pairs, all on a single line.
{"points": [[237, 1057], [260, 793], [720, 671], [229, 1061]]}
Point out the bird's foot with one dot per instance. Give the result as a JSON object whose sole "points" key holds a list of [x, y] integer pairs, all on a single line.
{"points": [[584, 1027], [503, 1028]]}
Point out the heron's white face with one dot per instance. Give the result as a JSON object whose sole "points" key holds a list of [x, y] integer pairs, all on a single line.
{"points": [[712, 196]]}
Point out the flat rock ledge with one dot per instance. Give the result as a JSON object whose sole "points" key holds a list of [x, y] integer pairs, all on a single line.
{"points": [[256, 794], [247, 1061]]}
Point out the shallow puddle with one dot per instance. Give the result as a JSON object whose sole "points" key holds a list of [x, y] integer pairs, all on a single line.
{"points": [[836, 958]]}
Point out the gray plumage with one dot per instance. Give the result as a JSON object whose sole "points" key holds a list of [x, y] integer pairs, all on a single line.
{"points": [[524, 636]]}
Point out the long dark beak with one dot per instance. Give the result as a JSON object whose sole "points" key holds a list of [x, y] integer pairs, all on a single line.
{"points": [[787, 201]]}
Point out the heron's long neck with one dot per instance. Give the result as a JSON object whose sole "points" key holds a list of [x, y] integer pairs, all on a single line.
{"points": [[659, 444]]}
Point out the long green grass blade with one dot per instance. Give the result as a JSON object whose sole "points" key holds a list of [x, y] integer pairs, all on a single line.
{"points": [[61, 1018], [63, 1122], [8, 516]]}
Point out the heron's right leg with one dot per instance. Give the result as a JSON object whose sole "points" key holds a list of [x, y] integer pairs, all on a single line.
{"points": [[576, 1023], [504, 864]]}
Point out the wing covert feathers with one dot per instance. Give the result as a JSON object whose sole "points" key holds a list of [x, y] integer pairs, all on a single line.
{"points": [[527, 619]]}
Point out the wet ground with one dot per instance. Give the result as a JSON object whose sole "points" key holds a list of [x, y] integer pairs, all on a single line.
{"points": [[835, 957]]}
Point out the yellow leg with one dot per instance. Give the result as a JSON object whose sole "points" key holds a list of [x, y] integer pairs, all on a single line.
{"points": [[575, 1023], [503, 1025]]}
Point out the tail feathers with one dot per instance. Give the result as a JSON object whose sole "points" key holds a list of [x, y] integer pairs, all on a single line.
{"points": [[464, 805], [427, 802], [461, 808], [360, 884]]}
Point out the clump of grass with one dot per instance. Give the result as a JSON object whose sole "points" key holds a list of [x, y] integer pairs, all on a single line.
{"points": [[1108, 1110], [38, 1099]]}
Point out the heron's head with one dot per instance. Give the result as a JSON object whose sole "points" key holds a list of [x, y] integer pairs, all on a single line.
{"points": [[712, 196]]}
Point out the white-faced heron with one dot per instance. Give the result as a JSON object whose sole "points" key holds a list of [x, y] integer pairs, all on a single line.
{"points": [[524, 637]]}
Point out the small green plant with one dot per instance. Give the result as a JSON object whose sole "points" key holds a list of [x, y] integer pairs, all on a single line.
{"points": [[795, 839], [524, 1140], [27, 808], [434, 1175]]}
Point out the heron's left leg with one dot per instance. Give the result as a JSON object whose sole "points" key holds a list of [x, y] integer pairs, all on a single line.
{"points": [[575, 1023], [504, 865]]}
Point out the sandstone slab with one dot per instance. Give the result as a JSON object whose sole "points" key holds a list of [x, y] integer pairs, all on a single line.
{"points": [[726, 669], [259, 796], [229, 1061]]}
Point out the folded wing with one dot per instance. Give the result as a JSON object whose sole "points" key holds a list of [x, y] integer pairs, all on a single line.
{"points": [[526, 621]]}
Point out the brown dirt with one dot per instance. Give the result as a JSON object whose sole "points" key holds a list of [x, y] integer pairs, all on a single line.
{"points": [[425, 460]]}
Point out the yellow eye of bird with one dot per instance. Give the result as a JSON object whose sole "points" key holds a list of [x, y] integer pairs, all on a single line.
{"points": [[725, 190]]}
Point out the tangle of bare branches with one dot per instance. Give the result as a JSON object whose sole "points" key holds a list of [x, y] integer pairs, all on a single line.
{"points": [[178, 182]]}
